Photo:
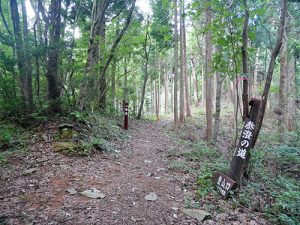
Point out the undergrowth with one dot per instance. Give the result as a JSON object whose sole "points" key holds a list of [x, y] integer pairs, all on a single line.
{"points": [[12, 138], [273, 187], [97, 131]]}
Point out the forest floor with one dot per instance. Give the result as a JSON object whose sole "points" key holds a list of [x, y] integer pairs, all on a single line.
{"points": [[34, 185]]}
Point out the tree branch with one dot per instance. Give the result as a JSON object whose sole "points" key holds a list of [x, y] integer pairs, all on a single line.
{"points": [[116, 42], [4, 21]]}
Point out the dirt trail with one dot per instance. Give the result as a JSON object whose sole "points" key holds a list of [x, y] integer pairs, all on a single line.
{"points": [[140, 168]]}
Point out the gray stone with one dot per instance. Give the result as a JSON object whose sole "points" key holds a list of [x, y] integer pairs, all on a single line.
{"points": [[93, 193], [29, 171], [151, 197], [198, 214], [71, 191]]}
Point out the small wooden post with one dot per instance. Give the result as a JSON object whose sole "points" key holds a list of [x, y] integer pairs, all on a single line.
{"points": [[126, 115], [239, 162]]}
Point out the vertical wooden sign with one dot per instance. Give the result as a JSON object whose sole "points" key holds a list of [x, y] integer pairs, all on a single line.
{"points": [[126, 115], [238, 165]]}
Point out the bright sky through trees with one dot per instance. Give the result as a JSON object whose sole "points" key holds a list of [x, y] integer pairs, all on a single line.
{"points": [[144, 6]]}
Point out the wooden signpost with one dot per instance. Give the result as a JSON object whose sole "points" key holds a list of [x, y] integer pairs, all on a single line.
{"points": [[239, 162], [126, 115]]}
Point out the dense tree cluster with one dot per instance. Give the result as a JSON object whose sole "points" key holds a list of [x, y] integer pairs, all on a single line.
{"points": [[64, 55]]}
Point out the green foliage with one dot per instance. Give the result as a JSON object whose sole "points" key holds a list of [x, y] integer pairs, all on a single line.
{"points": [[78, 116], [101, 144], [271, 191], [12, 138], [161, 28], [210, 161], [5, 137], [181, 166], [286, 208]]}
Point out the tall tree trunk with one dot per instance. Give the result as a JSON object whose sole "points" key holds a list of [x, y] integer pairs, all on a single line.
{"points": [[194, 75], [182, 72], [152, 92], [125, 87], [245, 94], [297, 95], [165, 73], [172, 94], [218, 107], [203, 89], [19, 51], [37, 64], [290, 115], [208, 74], [255, 81], [175, 65], [158, 88], [143, 91], [156, 96], [53, 56], [145, 74], [27, 49], [113, 78], [113, 82], [91, 71], [282, 89], [186, 75], [146, 54], [102, 76], [267, 86]]}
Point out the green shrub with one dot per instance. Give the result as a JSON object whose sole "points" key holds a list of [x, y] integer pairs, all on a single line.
{"points": [[5, 138], [286, 207]]}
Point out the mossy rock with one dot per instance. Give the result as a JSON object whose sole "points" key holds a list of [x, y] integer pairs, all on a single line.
{"points": [[65, 132], [70, 148], [65, 147]]}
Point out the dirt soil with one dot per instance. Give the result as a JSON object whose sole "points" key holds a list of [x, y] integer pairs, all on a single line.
{"points": [[125, 178]]}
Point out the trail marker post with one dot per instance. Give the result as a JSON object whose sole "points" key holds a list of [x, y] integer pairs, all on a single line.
{"points": [[238, 166], [126, 116]]}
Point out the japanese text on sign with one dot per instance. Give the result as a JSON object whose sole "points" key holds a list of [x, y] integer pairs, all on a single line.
{"points": [[246, 138]]}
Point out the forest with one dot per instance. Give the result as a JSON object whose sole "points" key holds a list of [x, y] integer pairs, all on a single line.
{"points": [[150, 112]]}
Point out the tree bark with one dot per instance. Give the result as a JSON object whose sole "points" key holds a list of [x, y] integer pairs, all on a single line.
{"points": [[282, 90], [53, 56], [194, 75], [125, 87], [245, 95], [102, 78], [218, 107], [182, 71], [165, 73], [172, 94], [208, 74], [203, 83], [186, 75], [175, 65], [146, 54], [113, 82], [19, 51], [158, 88], [98, 20], [270, 71], [156, 96], [27, 49], [255, 81]]}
